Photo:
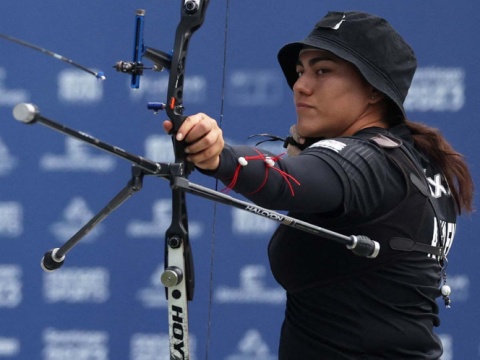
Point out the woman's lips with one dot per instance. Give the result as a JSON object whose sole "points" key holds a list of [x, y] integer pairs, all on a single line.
{"points": [[302, 105]]}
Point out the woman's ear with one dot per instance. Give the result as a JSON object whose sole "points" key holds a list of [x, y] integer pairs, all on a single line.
{"points": [[375, 96]]}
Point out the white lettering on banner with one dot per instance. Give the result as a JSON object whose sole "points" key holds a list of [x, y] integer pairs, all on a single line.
{"points": [[252, 347], [75, 345], [11, 97], [252, 289], [77, 285], [11, 219], [246, 223], [447, 343], [255, 88], [161, 219], [460, 285], [153, 296], [150, 87], [9, 346], [75, 216], [7, 160], [437, 89], [195, 86], [78, 156], [10, 286], [76, 86], [159, 148], [156, 347]]}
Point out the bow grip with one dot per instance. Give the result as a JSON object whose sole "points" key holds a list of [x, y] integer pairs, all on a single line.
{"points": [[179, 146]]}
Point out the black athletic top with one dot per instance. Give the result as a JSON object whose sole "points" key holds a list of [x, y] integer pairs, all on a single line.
{"points": [[339, 305]]}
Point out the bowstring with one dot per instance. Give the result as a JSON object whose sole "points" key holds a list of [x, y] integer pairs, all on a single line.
{"points": [[212, 254]]}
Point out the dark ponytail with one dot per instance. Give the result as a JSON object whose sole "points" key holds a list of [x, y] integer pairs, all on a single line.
{"points": [[452, 164]]}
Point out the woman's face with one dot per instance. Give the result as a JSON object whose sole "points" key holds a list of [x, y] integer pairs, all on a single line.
{"points": [[331, 96]]}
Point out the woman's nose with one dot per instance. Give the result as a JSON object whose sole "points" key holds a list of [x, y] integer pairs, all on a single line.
{"points": [[302, 85]]}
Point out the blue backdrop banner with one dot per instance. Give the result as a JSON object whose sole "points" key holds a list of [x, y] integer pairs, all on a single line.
{"points": [[107, 301]]}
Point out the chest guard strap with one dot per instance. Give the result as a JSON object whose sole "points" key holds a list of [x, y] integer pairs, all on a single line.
{"points": [[417, 178]]}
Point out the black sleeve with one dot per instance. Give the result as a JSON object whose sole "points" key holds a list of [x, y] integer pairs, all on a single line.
{"points": [[327, 180], [363, 169]]}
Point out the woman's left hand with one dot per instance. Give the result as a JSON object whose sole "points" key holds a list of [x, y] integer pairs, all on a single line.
{"points": [[204, 140]]}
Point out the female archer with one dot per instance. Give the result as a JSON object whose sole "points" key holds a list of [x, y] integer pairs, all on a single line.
{"points": [[360, 168]]}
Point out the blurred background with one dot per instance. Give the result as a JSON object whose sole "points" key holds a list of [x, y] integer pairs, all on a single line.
{"points": [[107, 301]]}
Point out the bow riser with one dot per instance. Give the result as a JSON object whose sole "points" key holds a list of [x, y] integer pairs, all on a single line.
{"points": [[192, 17], [179, 273]]}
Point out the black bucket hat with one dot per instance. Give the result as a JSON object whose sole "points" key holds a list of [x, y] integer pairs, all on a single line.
{"points": [[383, 57]]}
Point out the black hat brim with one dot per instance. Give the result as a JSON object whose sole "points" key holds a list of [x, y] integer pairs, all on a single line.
{"points": [[288, 57]]}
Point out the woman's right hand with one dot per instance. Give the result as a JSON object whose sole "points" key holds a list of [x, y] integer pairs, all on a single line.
{"points": [[292, 150], [204, 140]]}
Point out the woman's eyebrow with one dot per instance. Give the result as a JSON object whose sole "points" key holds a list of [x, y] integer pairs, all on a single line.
{"points": [[316, 59]]}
